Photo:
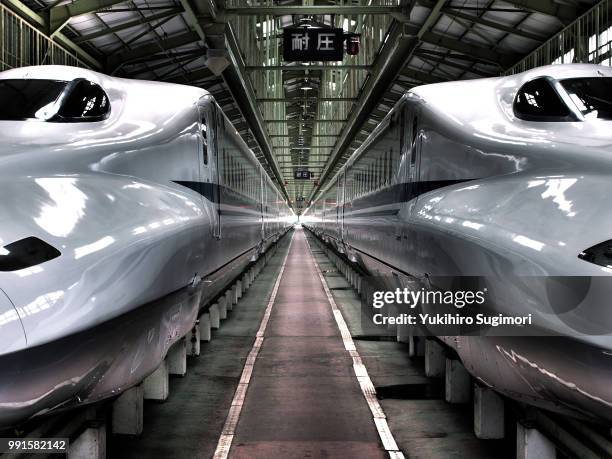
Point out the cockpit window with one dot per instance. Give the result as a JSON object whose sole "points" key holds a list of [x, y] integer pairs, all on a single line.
{"points": [[538, 100], [592, 96], [85, 101], [51, 100], [28, 99]]}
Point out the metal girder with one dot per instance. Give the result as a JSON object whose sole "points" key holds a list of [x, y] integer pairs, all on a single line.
{"points": [[451, 55], [41, 23], [58, 16], [164, 64], [565, 13], [494, 25], [128, 25], [306, 121], [502, 60], [418, 75], [309, 10], [310, 67], [313, 135], [431, 18], [175, 41], [392, 58], [465, 68], [195, 75], [307, 99], [191, 18]]}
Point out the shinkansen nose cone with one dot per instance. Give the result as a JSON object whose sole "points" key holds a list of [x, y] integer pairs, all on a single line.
{"points": [[12, 336]]}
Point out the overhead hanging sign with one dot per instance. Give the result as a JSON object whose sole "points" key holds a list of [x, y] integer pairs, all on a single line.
{"points": [[301, 175], [310, 44]]}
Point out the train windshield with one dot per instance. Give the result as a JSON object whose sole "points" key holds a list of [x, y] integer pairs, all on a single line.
{"points": [[28, 98], [592, 96]]}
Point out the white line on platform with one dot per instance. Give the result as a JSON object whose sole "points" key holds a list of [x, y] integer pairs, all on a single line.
{"points": [[229, 428], [367, 387]]}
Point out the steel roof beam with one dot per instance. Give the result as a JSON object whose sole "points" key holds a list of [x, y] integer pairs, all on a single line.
{"points": [[128, 25], [310, 10], [449, 63], [117, 60], [502, 60], [60, 15], [306, 121], [187, 78], [301, 68], [564, 12], [494, 25], [308, 99], [314, 135], [164, 64]]}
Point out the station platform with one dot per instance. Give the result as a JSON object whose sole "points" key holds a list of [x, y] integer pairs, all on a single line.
{"points": [[278, 379], [303, 398]]}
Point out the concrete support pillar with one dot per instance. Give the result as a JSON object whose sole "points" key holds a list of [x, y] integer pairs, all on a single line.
{"points": [[177, 358], [532, 444], [193, 345], [235, 293], [435, 360], [416, 346], [488, 414], [238, 289], [215, 319], [205, 333], [156, 386], [91, 444], [403, 334], [127, 412], [229, 305], [458, 382], [222, 302]]}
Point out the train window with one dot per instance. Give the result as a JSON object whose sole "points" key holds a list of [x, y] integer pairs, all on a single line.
{"points": [[85, 101], [28, 99], [591, 96], [537, 100], [413, 145], [204, 144]]}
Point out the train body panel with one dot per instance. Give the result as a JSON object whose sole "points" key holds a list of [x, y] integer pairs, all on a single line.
{"points": [[121, 219], [461, 180]]}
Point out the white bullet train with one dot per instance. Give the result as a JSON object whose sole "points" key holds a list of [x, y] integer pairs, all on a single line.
{"points": [[508, 179], [125, 207]]}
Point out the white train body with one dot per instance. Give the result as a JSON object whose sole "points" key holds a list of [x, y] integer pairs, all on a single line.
{"points": [[506, 178], [143, 209]]}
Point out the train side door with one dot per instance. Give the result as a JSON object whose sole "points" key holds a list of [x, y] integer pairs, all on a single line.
{"points": [[343, 203], [262, 202], [209, 130], [414, 157]]}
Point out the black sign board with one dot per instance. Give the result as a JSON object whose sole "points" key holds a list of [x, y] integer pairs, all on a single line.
{"points": [[309, 44], [301, 175]]}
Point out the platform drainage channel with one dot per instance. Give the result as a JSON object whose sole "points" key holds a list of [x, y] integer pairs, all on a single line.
{"points": [[341, 288], [424, 391]]}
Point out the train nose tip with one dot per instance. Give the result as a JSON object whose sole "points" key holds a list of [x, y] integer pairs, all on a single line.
{"points": [[12, 335]]}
